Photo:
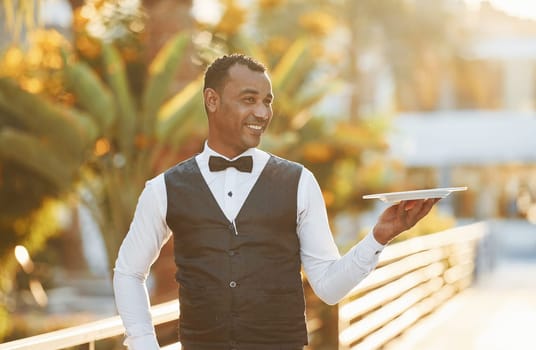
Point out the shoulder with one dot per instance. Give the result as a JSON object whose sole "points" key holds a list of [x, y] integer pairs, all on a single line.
{"points": [[279, 161], [156, 184], [305, 174], [185, 166]]}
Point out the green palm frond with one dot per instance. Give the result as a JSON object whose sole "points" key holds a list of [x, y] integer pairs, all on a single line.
{"points": [[177, 109], [126, 107], [37, 155], [292, 67], [92, 94], [161, 74], [68, 131]]}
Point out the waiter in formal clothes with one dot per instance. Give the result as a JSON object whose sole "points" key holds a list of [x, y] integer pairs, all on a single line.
{"points": [[244, 222]]}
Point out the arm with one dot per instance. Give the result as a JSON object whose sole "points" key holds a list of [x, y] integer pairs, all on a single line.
{"points": [[330, 275], [147, 234]]}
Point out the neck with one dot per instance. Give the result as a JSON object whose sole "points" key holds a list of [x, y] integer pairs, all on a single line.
{"points": [[229, 153]]}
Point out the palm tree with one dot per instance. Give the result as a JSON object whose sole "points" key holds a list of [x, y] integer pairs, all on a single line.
{"points": [[107, 142]]}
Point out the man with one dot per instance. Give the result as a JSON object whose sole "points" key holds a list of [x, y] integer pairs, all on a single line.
{"points": [[243, 223]]}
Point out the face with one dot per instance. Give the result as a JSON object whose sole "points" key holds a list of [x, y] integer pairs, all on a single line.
{"points": [[240, 113]]}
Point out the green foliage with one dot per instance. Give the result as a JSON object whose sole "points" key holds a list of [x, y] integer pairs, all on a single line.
{"points": [[116, 78], [162, 72], [108, 143], [86, 85], [36, 155], [130, 152], [178, 111], [58, 126], [27, 182]]}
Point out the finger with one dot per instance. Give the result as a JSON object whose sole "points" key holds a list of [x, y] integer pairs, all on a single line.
{"points": [[410, 204], [401, 210], [416, 206], [427, 206], [419, 209], [431, 202]]}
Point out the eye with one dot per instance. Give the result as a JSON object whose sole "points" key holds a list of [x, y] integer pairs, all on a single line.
{"points": [[250, 99]]}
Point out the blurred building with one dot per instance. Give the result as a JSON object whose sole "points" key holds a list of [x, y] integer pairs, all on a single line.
{"points": [[482, 133], [491, 152]]}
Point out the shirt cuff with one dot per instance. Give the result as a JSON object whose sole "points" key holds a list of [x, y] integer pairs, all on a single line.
{"points": [[143, 342], [373, 244], [367, 251]]}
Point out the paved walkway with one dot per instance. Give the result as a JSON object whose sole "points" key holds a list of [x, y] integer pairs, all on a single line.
{"points": [[497, 313]]}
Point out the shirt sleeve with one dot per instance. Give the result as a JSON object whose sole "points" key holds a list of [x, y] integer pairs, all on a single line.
{"points": [[330, 275], [147, 234]]}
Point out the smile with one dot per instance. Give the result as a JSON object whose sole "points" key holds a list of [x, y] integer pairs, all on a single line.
{"points": [[254, 127]]}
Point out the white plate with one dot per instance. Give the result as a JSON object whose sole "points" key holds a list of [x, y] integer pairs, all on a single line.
{"points": [[394, 197]]}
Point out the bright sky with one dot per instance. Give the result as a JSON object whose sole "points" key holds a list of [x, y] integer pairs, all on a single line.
{"points": [[210, 10], [207, 11], [520, 8]]}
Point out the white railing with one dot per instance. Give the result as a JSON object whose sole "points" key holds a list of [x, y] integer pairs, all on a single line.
{"points": [[413, 278], [89, 333]]}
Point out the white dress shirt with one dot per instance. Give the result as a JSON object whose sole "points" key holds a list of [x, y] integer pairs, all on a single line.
{"points": [[330, 275]]}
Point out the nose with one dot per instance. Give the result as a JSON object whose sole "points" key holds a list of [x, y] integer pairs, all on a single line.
{"points": [[262, 111]]}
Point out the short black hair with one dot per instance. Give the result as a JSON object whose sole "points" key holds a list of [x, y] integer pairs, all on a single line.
{"points": [[217, 71]]}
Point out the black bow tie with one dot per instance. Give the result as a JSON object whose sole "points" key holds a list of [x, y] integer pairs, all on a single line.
{"points": [[244, 164]]}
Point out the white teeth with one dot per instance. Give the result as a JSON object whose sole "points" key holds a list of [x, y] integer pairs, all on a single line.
{"points": [[256, 127]]}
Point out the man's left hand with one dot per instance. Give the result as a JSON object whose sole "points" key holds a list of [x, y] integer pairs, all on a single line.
{"points": [[401, 217]]}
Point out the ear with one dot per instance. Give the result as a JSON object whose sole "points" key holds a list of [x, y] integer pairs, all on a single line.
{"points": [[212, 99]]}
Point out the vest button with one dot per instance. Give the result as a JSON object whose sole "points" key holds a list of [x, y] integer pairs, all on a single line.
{"points": [[233, 284], [231, 253]]}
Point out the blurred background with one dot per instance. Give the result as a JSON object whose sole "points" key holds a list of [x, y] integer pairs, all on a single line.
{"points": [[97, 96]]}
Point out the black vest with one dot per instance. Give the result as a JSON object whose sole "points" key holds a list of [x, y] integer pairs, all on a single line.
{"points": [[239, 288]]}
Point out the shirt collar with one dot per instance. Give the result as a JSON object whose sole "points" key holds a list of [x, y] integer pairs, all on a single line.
{"points": [[207, 152], [259, 157]]}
